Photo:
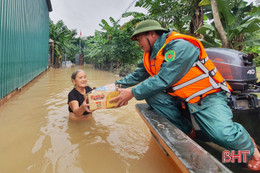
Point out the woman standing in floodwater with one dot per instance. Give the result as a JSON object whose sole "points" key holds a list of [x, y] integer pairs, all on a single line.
{"points": [[77, 100]]}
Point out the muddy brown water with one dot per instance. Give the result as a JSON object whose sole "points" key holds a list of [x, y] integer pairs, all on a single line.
{"points": [[37, 136]]}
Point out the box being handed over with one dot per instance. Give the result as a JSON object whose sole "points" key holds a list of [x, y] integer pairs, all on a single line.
{"points": [[99, 97]]}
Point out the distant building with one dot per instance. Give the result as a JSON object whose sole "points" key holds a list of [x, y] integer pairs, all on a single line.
{"points": [[51, 52], [24, 33], [79, 59]]}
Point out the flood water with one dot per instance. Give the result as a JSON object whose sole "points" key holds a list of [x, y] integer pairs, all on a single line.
{"points": [[37, 136]]}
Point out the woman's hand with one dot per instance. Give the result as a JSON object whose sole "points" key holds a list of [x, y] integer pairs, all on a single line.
{"points": [[85, 105], [123, 98]]}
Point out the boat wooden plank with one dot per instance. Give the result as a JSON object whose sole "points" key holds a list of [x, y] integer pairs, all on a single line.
{"points": [[185, 154]]}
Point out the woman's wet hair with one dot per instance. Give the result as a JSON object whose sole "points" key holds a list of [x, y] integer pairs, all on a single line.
{"points": [[74, 74]]}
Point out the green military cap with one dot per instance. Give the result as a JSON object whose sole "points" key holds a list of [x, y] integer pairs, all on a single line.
{"points": [[147, 25]]}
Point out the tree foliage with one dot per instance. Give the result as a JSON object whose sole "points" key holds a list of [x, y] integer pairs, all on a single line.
{"points": [[112, 46], [238, 19], [171, 14], [64, 38]]}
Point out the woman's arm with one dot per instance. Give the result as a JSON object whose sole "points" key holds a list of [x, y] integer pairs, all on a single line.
{"points": [[79, 110]]}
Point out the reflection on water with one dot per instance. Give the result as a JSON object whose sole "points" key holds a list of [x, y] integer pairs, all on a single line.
{"points": [[37, 136]]}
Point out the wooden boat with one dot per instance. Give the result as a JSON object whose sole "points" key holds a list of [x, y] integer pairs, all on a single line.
{"points": [[202, 155], [185, 154]]}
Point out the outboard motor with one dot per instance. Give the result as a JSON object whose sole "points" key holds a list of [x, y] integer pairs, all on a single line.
{"points": [[239, 70]]}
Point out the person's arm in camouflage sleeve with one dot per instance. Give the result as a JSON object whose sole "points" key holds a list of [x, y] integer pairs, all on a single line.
{"points": [[171, 72], [134, 78]]}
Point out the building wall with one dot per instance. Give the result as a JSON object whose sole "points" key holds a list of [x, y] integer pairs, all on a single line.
{"points": [[24, 39]]}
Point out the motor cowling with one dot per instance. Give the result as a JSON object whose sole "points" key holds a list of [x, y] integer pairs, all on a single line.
{"points": [[237, 68]]}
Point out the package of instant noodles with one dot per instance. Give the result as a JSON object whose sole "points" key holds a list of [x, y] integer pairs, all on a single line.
{"points": [[99, 97]]}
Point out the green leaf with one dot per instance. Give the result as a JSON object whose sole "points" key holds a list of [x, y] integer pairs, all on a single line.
{"points": [[223, 7], [205, 17], [255, 42], [248, 27], [204, 2], [204, 28], [211, 42]]}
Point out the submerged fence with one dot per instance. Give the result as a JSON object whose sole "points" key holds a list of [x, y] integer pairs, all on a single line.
{"points": [[24, 37]]}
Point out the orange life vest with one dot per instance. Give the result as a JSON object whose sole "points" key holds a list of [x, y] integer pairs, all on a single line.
{"points": [[201, 80]]}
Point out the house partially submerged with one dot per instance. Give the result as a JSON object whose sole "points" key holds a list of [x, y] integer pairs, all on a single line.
{"points": [[24, 33]]}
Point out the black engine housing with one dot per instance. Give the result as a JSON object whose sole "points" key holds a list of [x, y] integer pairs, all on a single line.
{"points": [[236, 67]]}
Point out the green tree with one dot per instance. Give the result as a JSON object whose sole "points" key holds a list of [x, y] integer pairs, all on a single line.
{"points": [[112, 45], [197, 18], [237, 18], [65, 41], [171, 14], [184, 16], [112, 48]]}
